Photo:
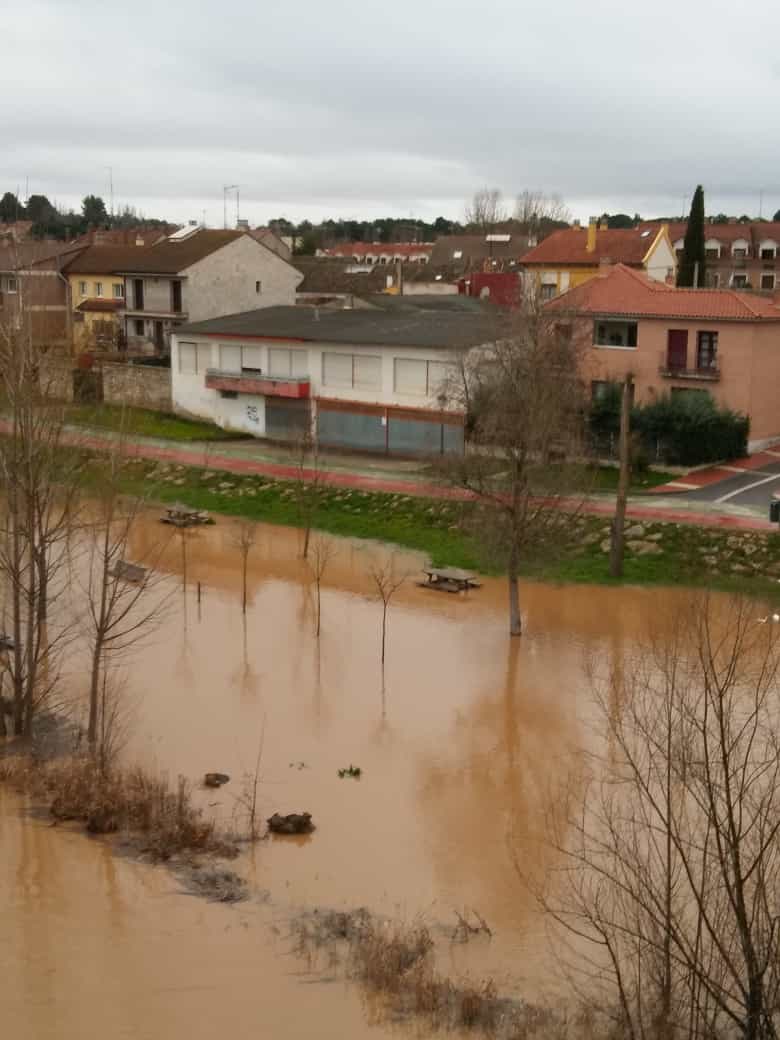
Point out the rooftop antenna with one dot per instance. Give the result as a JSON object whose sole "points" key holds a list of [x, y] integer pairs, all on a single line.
{"points": [[225, 191], [111, 190], [761, 204]]}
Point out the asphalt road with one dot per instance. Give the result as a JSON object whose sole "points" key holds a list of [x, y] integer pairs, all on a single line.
{"points": [[752, 490]]}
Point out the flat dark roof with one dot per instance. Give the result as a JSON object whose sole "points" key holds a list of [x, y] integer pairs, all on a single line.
{"points": [[418, 323]]}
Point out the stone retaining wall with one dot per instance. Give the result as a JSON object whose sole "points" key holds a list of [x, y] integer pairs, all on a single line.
{"points": [[142, 386]]}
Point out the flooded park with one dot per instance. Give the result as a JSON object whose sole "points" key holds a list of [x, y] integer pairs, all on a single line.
{"points": [[461, 740]]}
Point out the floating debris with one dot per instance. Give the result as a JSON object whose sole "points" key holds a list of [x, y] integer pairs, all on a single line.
{"points": [[292, 823]]}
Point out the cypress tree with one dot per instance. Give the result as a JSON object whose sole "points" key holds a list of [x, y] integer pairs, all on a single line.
{"points": [[693, 246]]}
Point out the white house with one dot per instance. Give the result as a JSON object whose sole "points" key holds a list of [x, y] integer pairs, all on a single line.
{"points": [[373, 379]]}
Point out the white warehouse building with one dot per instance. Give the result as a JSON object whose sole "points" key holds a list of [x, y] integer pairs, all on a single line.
{"points": [[371, 379]]}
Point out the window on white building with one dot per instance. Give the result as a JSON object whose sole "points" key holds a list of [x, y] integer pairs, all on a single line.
{"points": [[229, 357], [13, 285], [366, 372], [410, 377], [188, 359], [424, 378], [287, 363], [336, 369], [359, 371], [252, 358], [258, 287], [204, 357]]}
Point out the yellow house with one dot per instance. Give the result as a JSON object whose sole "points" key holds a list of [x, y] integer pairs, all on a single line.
{"points": [[97, 297], [571, 256]]}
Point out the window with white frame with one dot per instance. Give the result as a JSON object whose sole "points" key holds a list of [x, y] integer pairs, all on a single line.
{"points": [[83, 289], [420, 377], [99, 289], [119, 291], [357, 371], [768, 249], [712, 249], [739, 281], [188, 359], [741, 249], [13, 285], [767, 281], [286, 364]]}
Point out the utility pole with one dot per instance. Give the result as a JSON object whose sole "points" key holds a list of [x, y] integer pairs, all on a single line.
{"points": [[617, 540], [111, 192]]}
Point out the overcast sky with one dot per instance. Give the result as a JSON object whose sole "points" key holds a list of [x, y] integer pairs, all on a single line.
{"points": [[348, 108]]}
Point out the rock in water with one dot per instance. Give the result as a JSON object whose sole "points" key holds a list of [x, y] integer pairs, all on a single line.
{"points": [[293, 823]]}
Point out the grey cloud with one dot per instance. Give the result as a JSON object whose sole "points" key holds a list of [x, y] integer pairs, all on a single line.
{"points": [[361, 109]]}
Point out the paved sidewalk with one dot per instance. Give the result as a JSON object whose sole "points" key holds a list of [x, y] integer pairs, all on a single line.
{"points": [[390, 478], [709, 475]]}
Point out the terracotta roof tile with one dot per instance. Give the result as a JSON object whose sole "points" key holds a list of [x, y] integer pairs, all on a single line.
{"points": [[629, 293], [569, 246], [97, 304]]}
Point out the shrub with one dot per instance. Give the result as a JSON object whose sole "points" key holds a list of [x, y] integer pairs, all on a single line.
{"points": [[688, 429], [680, 429]]}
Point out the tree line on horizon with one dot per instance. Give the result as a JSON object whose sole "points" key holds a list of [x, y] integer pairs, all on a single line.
{"points": [[52, 221]]}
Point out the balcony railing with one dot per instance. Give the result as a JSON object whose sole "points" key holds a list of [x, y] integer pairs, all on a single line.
{"points": [[669, 369], [252, 382]]}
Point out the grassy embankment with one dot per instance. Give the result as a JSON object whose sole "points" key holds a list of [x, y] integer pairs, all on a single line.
{"points": [[658, 553], [141, 422]]}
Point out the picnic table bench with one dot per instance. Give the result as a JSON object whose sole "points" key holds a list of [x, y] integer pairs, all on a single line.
{"points": [[448, 579], [132, 572], [184, 516]]}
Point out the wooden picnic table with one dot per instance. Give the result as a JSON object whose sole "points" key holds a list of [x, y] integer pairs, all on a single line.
{"points": [[449, 579], [184, 516]]}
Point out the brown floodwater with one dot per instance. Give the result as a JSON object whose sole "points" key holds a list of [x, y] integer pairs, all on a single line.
{"points": [[462, 740], [92, 945]]}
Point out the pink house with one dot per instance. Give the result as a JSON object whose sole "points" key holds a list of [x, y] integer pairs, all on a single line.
{"points": [[681, 341]]}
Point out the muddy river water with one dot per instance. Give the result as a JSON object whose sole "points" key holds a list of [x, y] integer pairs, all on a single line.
{"points": [[460, 741]]}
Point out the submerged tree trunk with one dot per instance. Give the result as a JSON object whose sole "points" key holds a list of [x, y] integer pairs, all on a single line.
{"points": [[94, 693], [306, 539], [617, 541], [515, 624]]}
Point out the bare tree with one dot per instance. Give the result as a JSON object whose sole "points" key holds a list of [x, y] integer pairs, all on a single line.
{"points": [[486, 209], [618, 529], [322, 552], [672, 859], [523, 400], [309, 485], [535, 211], [120, 605], [42, 481], [387, 579], [244, 538]]}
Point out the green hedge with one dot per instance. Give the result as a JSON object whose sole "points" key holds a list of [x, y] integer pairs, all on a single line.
{"points": [[679, 429]]}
